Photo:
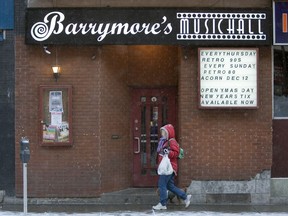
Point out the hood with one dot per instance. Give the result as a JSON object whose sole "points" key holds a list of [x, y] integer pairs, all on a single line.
{"points": [[170, 130]]}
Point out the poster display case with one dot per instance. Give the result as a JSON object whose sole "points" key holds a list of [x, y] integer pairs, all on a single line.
{"points": [[55, 115]]}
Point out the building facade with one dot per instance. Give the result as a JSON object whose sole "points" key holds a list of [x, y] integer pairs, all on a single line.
{"points": [[94, 129], [7, 83]]}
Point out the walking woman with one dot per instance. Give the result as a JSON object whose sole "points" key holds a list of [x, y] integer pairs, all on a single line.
{"points": [[168, 145]]}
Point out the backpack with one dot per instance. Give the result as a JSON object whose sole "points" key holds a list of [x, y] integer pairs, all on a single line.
{"points": [[181, 150], [181, 153]]}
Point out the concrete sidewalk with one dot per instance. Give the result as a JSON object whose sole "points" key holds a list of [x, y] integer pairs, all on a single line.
{"points": [[89, 208], [136, 200]]}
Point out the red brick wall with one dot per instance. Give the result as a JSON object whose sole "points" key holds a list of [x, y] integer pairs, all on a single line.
{"points": [[58, 171], [222, 144], [116, 154], [153, 66], [150, 3], [219, 144], [101, 104], [101, 78]]}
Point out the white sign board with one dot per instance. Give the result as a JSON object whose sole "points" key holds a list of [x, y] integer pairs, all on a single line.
{"points": [[228, 77]]}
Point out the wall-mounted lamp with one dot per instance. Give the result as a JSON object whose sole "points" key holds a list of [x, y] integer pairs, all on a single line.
{"points": [[56, 68], [56, 72]]}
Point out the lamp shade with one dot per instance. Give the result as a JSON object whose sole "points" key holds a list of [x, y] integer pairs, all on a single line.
{"points": [[56, 69]]}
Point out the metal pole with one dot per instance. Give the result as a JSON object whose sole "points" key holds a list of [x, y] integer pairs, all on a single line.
{"points": [[25, 188]]}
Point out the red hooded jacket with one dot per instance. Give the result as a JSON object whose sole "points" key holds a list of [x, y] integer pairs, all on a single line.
{"points": [[173, 147]]}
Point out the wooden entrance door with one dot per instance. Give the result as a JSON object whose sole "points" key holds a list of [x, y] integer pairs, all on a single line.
{"points": [[151, 109]]}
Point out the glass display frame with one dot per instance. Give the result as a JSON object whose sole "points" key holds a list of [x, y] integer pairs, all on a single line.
{"points": [[55, 115]]}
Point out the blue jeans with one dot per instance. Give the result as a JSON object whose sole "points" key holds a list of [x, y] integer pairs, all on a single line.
{"points": [[166, 182]]}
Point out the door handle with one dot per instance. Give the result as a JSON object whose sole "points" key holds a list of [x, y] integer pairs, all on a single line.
{"points": [[138, 145]]}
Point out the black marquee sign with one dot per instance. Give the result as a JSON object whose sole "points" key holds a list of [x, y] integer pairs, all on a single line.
{"points": [[170, 26]]}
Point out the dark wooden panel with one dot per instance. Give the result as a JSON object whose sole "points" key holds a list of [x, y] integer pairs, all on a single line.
{"points": [[280, 148]]}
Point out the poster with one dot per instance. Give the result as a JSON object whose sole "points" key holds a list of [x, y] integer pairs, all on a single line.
{"points": [[56, 118], [55, 101], [280, 27]]}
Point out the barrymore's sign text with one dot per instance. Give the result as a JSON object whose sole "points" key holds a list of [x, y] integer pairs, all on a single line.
{"points": [[147, 26]]}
